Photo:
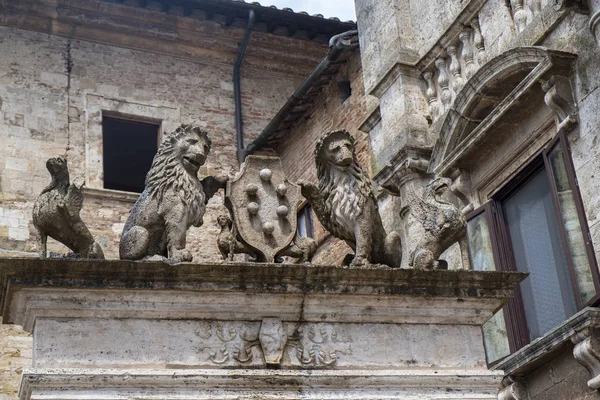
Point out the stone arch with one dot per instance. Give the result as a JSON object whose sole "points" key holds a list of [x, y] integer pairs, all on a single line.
{"points": [[493, 91]]}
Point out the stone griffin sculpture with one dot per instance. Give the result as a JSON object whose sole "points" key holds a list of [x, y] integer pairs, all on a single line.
{"points": [[345, 204], [444, 225], [228, 241], [56, 214], [174, 199]]}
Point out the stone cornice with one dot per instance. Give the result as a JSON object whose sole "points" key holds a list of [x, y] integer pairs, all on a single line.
{"points": [[526, 358], [33, 288], [148, 384]]}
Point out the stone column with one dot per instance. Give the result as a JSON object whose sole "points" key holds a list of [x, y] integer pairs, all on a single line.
{"points": [[389, 75]]}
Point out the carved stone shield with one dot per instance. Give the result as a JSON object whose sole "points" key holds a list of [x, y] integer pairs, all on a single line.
{"points": [[264, 205]]}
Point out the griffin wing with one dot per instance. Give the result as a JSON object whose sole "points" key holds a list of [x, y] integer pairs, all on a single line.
{"points": [[427, 214], [74, 198]]}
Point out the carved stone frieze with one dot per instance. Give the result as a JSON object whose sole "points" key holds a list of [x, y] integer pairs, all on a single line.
{"points": [[320, 345], [270, 342], [273, 339]]}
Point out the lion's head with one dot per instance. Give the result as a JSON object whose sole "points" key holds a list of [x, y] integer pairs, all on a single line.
{"points": [[342, 182], [177, 162], [335, 158]]}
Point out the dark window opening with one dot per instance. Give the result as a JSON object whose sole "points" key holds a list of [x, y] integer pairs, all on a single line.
{"points": [[345, 90], [305, 222], [128, 150]]}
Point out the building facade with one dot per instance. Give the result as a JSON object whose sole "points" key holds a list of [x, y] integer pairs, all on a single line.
{"points": [[499, 96]]}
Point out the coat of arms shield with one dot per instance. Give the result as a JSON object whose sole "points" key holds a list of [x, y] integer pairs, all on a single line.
{"points": [[264, 205]]}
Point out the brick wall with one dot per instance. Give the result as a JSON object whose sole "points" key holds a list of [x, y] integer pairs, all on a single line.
{"points": [[15, 354], [47, 109], [328, 113]]}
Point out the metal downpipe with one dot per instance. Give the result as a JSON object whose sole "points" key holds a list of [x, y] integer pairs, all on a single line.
{"points": [[239, 129]]}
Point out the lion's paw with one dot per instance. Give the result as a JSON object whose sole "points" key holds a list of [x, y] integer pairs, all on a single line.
{"points": [[181, 256], [359, 262]]}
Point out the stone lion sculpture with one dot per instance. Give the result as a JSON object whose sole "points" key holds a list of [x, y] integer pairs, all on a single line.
{"points": [[443, 222], [56, 214], [174, 199], [345, 204]]}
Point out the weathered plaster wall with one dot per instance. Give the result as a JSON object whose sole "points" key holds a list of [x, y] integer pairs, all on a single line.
{"points": [[328, 113], [48, 110]]}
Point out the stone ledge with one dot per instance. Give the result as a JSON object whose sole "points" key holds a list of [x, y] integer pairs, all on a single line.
{"points": [[108, 194], [265, 384], [256, 277], [527, 358], [33, 288]]}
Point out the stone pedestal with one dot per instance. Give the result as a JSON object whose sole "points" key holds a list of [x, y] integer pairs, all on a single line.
{"points": [[123, 330]]}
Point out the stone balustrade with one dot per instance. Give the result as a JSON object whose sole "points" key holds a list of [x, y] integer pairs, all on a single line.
{"points": [[446, 76]]}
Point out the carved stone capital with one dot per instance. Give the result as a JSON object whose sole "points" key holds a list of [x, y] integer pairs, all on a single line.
{"points": [[587, 353], [513, 390], [409, 164]]}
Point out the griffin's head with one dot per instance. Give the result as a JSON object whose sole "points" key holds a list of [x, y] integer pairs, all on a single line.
{"points": [[438, 186], [192, 145], [57, 166], [336, 148]]}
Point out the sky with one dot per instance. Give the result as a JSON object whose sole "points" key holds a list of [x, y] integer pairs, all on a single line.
{"points": [[343, 9]]}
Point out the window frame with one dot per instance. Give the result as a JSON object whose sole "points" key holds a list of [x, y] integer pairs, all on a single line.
{"points": [[306, 209], [502, 251]]}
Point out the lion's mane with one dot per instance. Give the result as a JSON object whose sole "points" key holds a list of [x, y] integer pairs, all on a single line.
{"points": [[344, 191], [168, 174]]}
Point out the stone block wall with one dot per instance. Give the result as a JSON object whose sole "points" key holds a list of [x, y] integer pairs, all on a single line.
{"points": [[15, 354], [560, 378], [328, 112], [54, 90]]}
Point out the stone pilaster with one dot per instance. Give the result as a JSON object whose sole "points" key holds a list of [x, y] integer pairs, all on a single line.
{"points": [[388, 67]]}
